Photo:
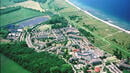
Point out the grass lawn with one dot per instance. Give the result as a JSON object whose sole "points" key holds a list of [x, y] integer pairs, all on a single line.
{"points": [[18, 15], [9, 66]]}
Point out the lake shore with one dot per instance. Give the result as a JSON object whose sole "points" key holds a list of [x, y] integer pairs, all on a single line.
{"points": [[110, 24]]}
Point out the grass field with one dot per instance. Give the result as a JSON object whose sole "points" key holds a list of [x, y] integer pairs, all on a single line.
{"points": [[18, 15], [6, 3], [9, 66], [104, 33], [30, 4], [44, 27]]}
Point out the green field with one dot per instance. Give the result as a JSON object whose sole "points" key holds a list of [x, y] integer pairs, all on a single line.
{"points": [[18, 15], [9, 66], [6, 3]]}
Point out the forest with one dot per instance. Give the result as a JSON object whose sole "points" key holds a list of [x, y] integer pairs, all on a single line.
{"points": [[57, 22], [34, 62]]}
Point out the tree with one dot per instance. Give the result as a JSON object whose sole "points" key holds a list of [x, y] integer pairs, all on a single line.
{"points": [[114, 40], [55, 69], [66, 68], [118, 54], [57, 22], [85, 69]]}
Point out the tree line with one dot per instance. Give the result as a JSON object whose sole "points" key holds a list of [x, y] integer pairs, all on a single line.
{"points": [[89, 36], [9, 9], [41, 1]]}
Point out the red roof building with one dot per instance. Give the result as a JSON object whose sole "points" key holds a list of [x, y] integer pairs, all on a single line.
{"points": [[97, 69], [75, 50], [89, 71]]}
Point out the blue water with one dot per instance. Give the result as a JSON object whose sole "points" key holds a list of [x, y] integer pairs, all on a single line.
{"points": [[113, 11]]}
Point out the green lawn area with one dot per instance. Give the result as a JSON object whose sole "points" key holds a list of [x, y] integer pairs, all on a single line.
{"points": [[18, 15], [9, 66]]}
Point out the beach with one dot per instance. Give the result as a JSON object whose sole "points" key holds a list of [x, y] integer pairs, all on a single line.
{"points": [[106, 22]]}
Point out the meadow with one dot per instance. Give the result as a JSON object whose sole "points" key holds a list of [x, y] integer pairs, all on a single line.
{"points": [[9, 66], [4, 3]]}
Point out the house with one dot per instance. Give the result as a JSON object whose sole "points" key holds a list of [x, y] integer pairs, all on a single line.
{"points": [[124, 65], [95, 61], [19, 30], [97, 69], [75, 50]]}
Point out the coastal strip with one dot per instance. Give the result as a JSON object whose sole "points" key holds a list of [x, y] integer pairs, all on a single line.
{"points": [[110, 24]]}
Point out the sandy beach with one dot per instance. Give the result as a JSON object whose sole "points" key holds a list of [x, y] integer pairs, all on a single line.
{"points": [[98, 18]]}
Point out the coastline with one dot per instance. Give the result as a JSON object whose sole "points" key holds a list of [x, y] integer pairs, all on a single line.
{"points": [[88, 13]]}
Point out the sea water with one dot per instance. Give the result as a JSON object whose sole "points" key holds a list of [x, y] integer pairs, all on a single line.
{"points": [[116, 12]]}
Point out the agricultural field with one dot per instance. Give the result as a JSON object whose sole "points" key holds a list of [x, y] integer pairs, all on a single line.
{"points": [[18, 15], [30, 4], [7, 3], [4, 3], [9, 66]]}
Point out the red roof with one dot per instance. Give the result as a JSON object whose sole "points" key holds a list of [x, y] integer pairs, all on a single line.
{"points": [[75, 50], [97, 69], [91, 47], [89, 70]]}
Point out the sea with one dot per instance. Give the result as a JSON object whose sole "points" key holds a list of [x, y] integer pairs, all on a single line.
{"points": [[116, 12]]}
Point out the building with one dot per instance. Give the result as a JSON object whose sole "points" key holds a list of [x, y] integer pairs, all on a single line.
{"points": [[96, 61]]}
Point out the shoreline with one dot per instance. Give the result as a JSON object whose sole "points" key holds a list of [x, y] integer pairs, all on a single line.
{"points": [[106, 22]]}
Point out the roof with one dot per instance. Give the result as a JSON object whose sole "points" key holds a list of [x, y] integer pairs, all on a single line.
{"points": [[89, 70], [93, 61], [75, 50], [97, 69], [20, 30]]}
